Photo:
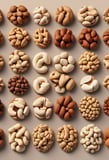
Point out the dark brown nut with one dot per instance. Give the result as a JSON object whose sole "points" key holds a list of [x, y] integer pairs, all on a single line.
{"points": [[89, 108], [1, 38], [1, 84], [1, 16], [18, 15], [1, 108], [63, 38], [106, 137], [89, 62], [43, 138], [18, 37], [106, 106], [64, 15], [106, 15], [88, 38], [65, 107], [18, 85], [106, 37], [2, 141], [41, 37], [2, 62]]}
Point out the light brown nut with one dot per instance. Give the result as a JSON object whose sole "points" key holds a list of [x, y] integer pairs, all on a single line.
{"points": [[2, 139], [19, 137], [106, 61], [1, 84], [106, 15], [42, 108], [1, 16], [91, 138], [18, 37], [89, 62], [89, 108], [106, 137], [106, 82], [64, 15], [43, 137], [19, 61], [1, 108], [41, 37], [18, 109], [62, 82], [2, 62], [88, 16], [106, 37], [41, 15]]}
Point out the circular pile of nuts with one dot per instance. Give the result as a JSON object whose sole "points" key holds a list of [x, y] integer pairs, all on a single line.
{"points": [[41, 85], [63, 38], [1, 16], [89, 62], [106, 106], [106, 60], [18, 109], [88, 16], [18, 85], [91, 138], [2, 140], [89, 108], [18, 15], [42, 108], [65, 107], [2, 62], [1, 38], [67, 137], [1, 84], [106, 82], [88, 38], [106, 37], [41, 15], [64, 15], [41, 37], [18, 37], [43, 138], [106, 137], [1, 108], [62, 82], [41, 61], [19, 137], [19, 61], [64, 63], [106, 15]]}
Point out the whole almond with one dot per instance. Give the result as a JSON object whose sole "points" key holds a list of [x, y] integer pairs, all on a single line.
{"points": [[67, 100], [67, 116], [62, 112], [72, 104], [61, 100], [57, 108]]}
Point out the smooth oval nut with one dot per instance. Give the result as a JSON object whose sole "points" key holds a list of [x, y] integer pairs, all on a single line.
{"points": [[67, 100], [67, 116], [62, 112], [70, 85]]}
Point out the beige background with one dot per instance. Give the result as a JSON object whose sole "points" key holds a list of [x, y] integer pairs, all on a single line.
{"points": [[78, 122]]}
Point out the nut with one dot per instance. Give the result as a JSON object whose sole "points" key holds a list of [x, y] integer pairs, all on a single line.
{"points": [[18, 15], [19, 61], [41, 15], [106, 106], [65, 107], [106, 15], [1, 84], [64, 63], [2, 62], [62, 82], [42, 108], [106, 137], [106, 82], [1, 16], [43, 138], [106, 60], [18, 37], [2, 140], [64, 15], [19, 137], [1, 108], [18, 109], [63, 38], [89, 62], [88, 16], [88, 38], [1, 38], [91, 138], [89, 108], [106, 37], [41, 37], [18, 85], [41, 61]]}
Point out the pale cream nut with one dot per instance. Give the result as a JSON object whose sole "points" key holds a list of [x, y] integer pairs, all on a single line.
{"points": [[64, 63], [88, 16], [67, 137], [19, 137], [1, 84], [106, 82], [41, 15], [41, 61], [89, 83], [43, 137], [41, 85], [91, 138], [106, 15], [2, 63], [19, 61], [42, 108], [106, 60], [18, 109]]}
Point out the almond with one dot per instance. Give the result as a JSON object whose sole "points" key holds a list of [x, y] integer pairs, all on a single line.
{"points": [[67, 100], [57, 108], [62, 112], [61, 100], [66, 116]]}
